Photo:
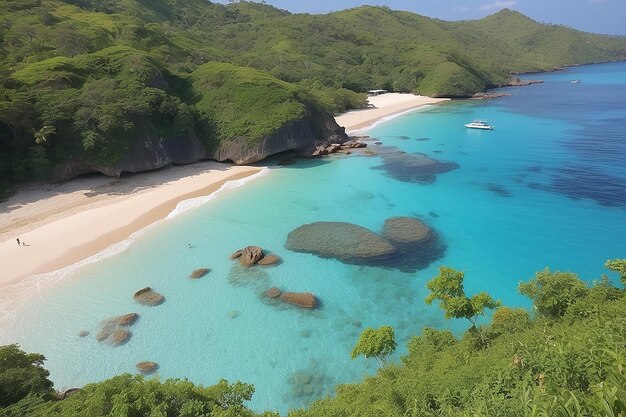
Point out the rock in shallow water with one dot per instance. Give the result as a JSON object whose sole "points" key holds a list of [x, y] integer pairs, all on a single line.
{"points": [[300, 299], [199, 273], [405, 230], [147, 367], [148, 297], [113, 330], [409, 245], [269, 260], [248, 256], [341, 240]]}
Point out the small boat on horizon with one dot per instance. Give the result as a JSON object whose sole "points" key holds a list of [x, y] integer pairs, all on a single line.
{"points": [[575, 81], [479, 124]]}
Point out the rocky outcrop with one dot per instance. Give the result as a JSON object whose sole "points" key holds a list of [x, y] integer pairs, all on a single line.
{"points": [[67, 393], [254, 255], [83, 333], [515, 81], [269, 260], [152, 152], [302, 136], [300, 299], [199, 273], [340, 240], [488, 96], [147, 367], [148, 297], [337, 147], [248, 256], [144, 154], [405, 230]]}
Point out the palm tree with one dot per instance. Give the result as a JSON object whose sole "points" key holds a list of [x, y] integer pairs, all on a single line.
{"points": [[41, 136]]}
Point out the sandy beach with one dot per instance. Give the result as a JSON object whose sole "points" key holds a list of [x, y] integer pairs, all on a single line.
{"points": [[62, 224], [384, 105]]}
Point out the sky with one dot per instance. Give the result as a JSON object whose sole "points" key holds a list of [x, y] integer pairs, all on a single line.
{"points": [[599, 16]]}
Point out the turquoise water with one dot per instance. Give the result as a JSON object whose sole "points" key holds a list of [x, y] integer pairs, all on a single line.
{"points": [[545, 188]]}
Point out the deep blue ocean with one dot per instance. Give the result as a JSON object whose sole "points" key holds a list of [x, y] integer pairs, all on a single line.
{"points": [[546, 188]]}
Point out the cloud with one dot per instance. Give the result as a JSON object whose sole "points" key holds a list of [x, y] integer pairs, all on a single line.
{"points": [[501, 4], [460, 8]]}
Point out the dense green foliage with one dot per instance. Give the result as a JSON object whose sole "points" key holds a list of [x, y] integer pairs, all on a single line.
{"points": [[567, 359], [375, 343], [21, 374], [83, 79], [124, 395]]}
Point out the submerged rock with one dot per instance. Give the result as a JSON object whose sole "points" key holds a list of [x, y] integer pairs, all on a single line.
{"points": [[273, 292], [300, 299], [414, 167], [125, 319], [147, 296], [147, 367], [114, 330], [199, 273], [269, 260], [83, 333], [405, 230], [340, 240], [118, 337], [242, 276]]}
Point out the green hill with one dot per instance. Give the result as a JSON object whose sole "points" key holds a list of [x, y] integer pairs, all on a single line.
{"points": [[87, 84]]}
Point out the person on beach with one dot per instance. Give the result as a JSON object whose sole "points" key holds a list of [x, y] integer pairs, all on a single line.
{"points": [[18, 241]]}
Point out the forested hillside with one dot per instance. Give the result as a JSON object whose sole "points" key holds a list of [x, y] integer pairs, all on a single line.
{"points": [[130, 85]]}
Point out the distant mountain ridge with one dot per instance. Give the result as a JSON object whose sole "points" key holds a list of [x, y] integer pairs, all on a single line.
{"points": [[130, 85]]}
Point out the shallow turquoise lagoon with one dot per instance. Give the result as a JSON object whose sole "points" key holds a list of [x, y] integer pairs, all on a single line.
{"points": [[545, 188]]}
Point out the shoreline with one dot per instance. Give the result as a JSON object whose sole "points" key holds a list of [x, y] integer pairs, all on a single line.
{"points": [[73, 228], [386, 105], [65, 224]]}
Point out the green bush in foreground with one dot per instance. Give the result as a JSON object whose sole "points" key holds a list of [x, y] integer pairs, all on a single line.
{"points": [[21, 374], [566, 364]]}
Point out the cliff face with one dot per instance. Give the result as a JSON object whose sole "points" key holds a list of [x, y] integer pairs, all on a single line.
{"points": [[149, 152], [296, 136]]}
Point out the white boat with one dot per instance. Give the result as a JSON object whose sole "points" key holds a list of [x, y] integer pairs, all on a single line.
{"points": [[575, 81], [478, 124]]}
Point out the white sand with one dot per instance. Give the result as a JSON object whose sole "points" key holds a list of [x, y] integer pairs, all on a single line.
{"points": [[66, 223], [385, 105]]}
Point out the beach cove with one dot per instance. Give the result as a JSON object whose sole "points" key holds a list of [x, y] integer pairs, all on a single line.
{"points": [[505, 207]]}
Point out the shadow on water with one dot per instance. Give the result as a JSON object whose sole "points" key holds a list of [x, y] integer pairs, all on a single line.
{"points": [[413, 167], [494, 188], [585, 182]]}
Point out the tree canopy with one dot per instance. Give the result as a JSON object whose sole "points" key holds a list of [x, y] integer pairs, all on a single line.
{"points": [[375, 343]]}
